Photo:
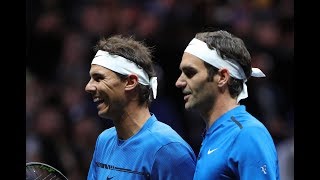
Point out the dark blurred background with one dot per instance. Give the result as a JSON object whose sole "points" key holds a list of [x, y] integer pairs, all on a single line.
{"points": [[61, 119]]}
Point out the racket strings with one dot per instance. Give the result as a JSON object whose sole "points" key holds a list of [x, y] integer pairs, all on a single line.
{"points": [[42, 172]]}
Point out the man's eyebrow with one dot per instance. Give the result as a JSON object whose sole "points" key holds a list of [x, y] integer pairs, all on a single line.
{"points": [[95, 74], [188, 68]]}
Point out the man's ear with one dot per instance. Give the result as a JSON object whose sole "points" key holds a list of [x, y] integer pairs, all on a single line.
{"points": [[132, 82], [224, 77]]}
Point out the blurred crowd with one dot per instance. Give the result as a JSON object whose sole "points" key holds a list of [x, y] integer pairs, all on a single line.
{"points": [[61, 118]]}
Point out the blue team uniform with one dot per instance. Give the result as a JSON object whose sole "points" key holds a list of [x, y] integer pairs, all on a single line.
{"points": [[155, 152], [237, 146]]}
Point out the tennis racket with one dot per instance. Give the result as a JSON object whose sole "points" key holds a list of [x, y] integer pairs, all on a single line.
{"points": [[38, 171]]}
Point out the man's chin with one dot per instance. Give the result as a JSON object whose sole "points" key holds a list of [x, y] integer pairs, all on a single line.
{"points": [[187, 107], [103, 113]]}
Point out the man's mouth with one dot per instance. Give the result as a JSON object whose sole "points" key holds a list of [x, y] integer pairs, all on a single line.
{"points": [[98, 100]]}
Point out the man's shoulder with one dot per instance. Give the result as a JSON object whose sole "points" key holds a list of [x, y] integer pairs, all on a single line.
{"points": [[107, 133], [163, 134]]}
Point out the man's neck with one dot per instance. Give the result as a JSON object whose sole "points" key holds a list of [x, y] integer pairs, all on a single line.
{"points": [[131, 121], [219, 108]]}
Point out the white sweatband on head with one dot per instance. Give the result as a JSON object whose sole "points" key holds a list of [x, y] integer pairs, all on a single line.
{"points": [[124, 66], [200, 49]]}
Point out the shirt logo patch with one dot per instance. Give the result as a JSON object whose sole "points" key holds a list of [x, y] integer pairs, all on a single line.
{"points": [[211, 151], [264, 169]]}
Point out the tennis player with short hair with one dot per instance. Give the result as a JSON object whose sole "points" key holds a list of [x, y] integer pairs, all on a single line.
{"points": [[123, 83], [215, 67]]}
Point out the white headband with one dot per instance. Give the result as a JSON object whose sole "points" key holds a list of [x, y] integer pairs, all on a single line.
{"points": [[200, 49], [126, 67]]}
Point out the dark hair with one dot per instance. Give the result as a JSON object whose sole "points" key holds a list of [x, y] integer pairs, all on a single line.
{"points": [[135, 51], [228, 46]]}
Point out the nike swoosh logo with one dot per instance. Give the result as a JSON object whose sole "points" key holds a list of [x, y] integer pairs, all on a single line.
{"points": [[211, 151], [108, 178]]}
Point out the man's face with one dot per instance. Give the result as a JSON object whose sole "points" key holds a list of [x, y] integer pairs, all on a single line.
{"points": [[107, 91], [199, 94]]}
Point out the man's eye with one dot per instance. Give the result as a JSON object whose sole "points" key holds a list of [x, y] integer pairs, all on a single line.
{"points": [[190, 73], [98, 79]]}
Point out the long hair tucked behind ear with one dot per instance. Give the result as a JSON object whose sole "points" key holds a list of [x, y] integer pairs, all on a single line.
{"points": [[135, 51]]}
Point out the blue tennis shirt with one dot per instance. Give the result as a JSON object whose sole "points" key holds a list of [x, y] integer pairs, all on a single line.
{"points": [[237, 146], [155, 152]]}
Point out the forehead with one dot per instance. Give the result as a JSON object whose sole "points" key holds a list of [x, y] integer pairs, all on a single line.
{"points": [[189, 60], [99, 70]]}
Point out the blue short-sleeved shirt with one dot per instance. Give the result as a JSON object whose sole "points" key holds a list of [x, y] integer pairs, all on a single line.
{"points": [[237, 146], [155, 152]]}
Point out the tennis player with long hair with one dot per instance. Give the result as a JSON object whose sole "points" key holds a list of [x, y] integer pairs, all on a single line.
{"points": [[123, 83]]}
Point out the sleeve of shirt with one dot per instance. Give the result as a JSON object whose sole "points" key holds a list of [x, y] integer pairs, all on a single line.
{"points": [[91, 173], [174, 161], [253, 155]]}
